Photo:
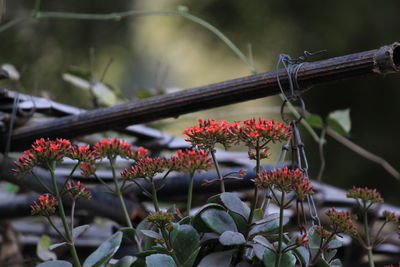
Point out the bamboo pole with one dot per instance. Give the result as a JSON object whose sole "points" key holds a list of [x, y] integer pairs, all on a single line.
{"points": [[380, 61]]}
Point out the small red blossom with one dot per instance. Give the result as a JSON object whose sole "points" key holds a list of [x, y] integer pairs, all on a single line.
{"points": [[323, 233], [390, 216], [145, 168], [190, 161], [365, 195], [115, 147], [342, 221], [264, 153], [46, 206], [87, 169], [210, 132], [303, 239], [259, 132], [83, 153], [285, 180], [77, 190]]}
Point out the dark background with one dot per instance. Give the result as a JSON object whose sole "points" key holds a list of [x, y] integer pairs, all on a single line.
{"points": [[159, 52]]}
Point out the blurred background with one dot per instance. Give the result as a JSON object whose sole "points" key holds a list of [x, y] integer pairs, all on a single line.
{"points": [[156, 54]]}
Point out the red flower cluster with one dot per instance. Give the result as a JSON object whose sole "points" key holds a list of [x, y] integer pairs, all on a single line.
{"points": [[190, 161], [83, 153], [43, 151], [145, 168], [258, 132], [365, 194], [285, 180], [390, 216], [323, 233], [116, 147], [77, 190], [342, 221], [210, 132], [87, 168], [46, 207]]}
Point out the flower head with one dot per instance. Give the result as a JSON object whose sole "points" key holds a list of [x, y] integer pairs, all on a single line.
{"points": [[46, 206], [390, 216], [77, 190], [87, 168], [145, 168], [365, 194], [43, 152], [190, 161], [323, 233], [303, 239], [116, 147], [83, 153], [209, 132], [161, 218], [342, 221], [285, 180], [258, 132]]}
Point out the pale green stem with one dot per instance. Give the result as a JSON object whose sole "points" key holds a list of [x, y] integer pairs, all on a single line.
{"points": [[280, 235], [190, 194], [62, 215], [119, 194], [367, 239], [154, 196], [221, 179]]}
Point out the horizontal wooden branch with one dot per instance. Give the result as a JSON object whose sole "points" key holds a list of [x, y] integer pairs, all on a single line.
{"points": [[379, 62]]}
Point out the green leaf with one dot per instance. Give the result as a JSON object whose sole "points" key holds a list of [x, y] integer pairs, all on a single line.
{"points": [[129, 233], [339, 121], [57, 245], [336, 263], [321, 263], [220, 259], [151, 233], [268, 225], [218, 220], [101, 256], [198, 223], [315, 121], [330, 254], [55, 264], [303, 254], [241, 223], [259, 239], [233, 203], [287, 259], [79, 230], [125, 261], [335, 244], [42, 249], [229, 238], [158, 260], [185, 241]]}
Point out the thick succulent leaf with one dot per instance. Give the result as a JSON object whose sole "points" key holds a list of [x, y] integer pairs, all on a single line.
{"points": [[158, 260], [128, 232], [233, 203], [321, 263], [42, 249], [330, 254], [79, 231], [102, 255], [125, 261], [151, 233], [190, 261], [229, 238], [218, 220], [287, 259], [57, 245], [303, 254], [243, 264], [335, 244], [336, 263], [259, 239], [185, 241], [217, 259], [198, 222], [268, 226], [55, 264]]}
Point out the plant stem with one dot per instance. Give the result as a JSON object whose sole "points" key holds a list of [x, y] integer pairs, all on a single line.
{"points": [[367, 239], [221, 179], [72, 214], [62, 215], [280, 235], [190, 193], [169, 246], [254, 204], [119, 194], [154, 195], [56, 229]]}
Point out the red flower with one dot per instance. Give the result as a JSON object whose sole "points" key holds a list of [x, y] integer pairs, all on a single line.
{"points": [[210, 132], [87, 169], [342, 221], [83, 153], [365, 194], [42, 152], [258, 132], [115, 147], [46, 206], [145, 168], [191, 160], [301, 240], [77, 190]]}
